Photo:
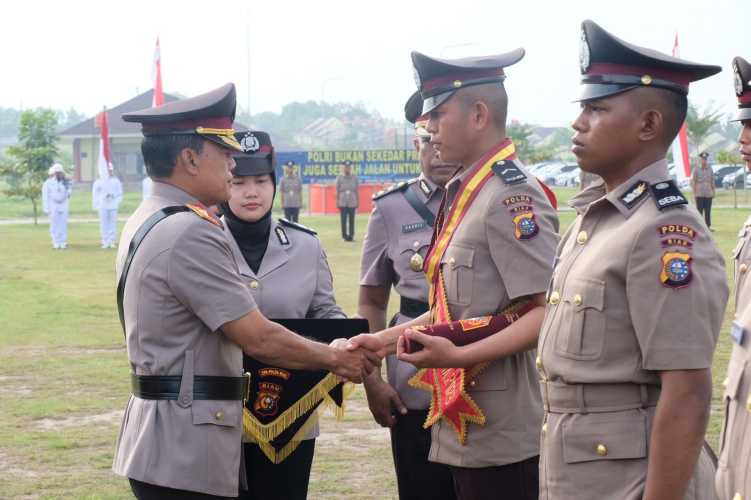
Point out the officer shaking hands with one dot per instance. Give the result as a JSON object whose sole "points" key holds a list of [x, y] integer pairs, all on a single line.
{"points": [[188, 314]]}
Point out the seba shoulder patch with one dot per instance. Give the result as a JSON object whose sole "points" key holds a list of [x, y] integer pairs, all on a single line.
{"points": [[509, 172], [667, 194]]}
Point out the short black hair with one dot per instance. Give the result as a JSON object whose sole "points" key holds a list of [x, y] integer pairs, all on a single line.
{"points": [[160, 152], [493, 95], [678, 104]]}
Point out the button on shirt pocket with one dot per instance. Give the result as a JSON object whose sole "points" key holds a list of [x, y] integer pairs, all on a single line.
{"points": [[458, 274], [602, 436], [223, 413], [412, 250], [581, 321]]}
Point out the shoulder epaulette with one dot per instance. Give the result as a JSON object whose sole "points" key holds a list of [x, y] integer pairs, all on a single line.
{"points": [[399, 187], [204, 214], [295, 225], [509, 172], [667, 194]]}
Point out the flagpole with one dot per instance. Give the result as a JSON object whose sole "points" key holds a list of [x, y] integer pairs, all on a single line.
{"points": [[247, 54]]}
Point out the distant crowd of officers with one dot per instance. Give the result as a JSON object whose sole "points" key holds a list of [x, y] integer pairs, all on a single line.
{"points": [[601, 390]]}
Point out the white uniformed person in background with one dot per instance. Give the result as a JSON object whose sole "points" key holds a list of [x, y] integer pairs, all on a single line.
{"points": [[702, 184], [637, 296], [189, 314], [289, 277], [733, 480], [397, 238], [56, 192], [290, 187], [347, 200], [106, 195]]}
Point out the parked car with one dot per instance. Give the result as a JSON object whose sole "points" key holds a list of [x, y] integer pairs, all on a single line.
{"points": [[569, 176], [720, 171], [552, 173], [736, 179]]}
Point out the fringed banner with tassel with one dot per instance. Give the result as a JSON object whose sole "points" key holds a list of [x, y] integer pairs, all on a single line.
{"points": [[281, 408]]}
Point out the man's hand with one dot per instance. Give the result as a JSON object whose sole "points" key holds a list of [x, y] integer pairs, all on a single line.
{"points": [[353, 365], [383, 401], [368, 342], [437, 352]]}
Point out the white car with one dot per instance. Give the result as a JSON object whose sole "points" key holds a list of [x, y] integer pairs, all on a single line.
{"points": [[569, 176]]}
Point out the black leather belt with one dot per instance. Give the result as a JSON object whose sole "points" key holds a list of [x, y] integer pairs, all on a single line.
{"points": [[204, 387], [412, 308]]}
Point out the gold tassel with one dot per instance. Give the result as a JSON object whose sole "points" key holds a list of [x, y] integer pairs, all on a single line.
{"points": [[254, 430], [278, 457]]}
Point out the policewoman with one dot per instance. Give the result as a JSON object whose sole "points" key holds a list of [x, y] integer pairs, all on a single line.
{"points": [[637, 296], [286, 271], [733, 481]]}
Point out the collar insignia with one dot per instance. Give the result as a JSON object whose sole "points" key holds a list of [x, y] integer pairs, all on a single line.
{"points": [[282, 236], [634, 194]]}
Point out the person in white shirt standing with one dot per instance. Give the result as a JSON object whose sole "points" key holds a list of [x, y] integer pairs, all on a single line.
{"points": [[56, 191], [107, 193]]}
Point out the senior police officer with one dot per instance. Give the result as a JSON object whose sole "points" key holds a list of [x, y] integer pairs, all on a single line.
{"points": [[637, 296], [106, 195], [56, 192], [398, 235], [290, 187], [494, 244], [732, 478], [347, 200], [188, 314], [703, 186]]}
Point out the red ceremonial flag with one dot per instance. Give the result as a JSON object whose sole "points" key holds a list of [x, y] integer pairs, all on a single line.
{"points": [[680, 145], [104, 145], [157, 76]]}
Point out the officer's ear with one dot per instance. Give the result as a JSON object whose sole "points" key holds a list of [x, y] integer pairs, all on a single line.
{"points": [[652, 125], [189, 160]]}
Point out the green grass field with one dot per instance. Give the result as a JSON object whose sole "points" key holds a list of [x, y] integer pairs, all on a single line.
{"points": [[64, 371]]}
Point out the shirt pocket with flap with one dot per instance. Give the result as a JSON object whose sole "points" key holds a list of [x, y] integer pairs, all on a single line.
{"points": [[458, 274], [602, 436], [217, 412], [411, 246], [582, 320]]}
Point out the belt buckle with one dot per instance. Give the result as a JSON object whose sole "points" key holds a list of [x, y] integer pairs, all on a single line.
{"points": [[246, 387]]}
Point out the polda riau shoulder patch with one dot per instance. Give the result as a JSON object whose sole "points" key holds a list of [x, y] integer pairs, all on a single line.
{"points": [[667, 194], [525, 225], [633, 194], [204, 214], [509, 172]]}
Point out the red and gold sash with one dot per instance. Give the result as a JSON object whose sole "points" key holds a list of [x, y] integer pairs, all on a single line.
{"points": [[450, 400]]}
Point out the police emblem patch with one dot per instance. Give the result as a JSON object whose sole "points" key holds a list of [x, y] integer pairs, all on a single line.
{"points": [[676, 269], [525, 226], [584, 54], [250, 143], [267, 400]]}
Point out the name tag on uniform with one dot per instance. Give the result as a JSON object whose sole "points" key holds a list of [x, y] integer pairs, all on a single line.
{"points": [[737, 332]]}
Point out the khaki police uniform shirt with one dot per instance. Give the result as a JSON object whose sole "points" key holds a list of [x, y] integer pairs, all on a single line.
{"points": [[396, 232], [291, 189], [347, 191], [183, 285], [487, 265], [702, 182], [294, 280], [733, 476], [636, 290]]}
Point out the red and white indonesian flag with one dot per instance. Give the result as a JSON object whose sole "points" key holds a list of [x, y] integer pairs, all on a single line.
{"points": [[156, 75], [680, 145], [105, 159]]}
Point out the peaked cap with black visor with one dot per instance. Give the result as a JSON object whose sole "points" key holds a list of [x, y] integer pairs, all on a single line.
{"points": [[610, 66], [742, 85], [257, 156], [208, 115], [438, 79]]}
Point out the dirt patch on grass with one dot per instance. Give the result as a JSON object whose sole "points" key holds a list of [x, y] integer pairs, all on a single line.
{"points": [[50, 424]]}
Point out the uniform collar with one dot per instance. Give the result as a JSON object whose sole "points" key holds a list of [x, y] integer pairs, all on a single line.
{"points": [[174, 194], [628, 196], [427, 188]]}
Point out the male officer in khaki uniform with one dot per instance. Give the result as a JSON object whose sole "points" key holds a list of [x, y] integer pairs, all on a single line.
{"points": [[495, 241], [290, 187], [702, 184], [396, 242], [347, 200], [733, 480], [637, 296], [188, 315]]}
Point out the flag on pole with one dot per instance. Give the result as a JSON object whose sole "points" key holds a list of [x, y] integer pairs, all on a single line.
{"points": [[680, 144], [157, 76], [104, 145]]}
